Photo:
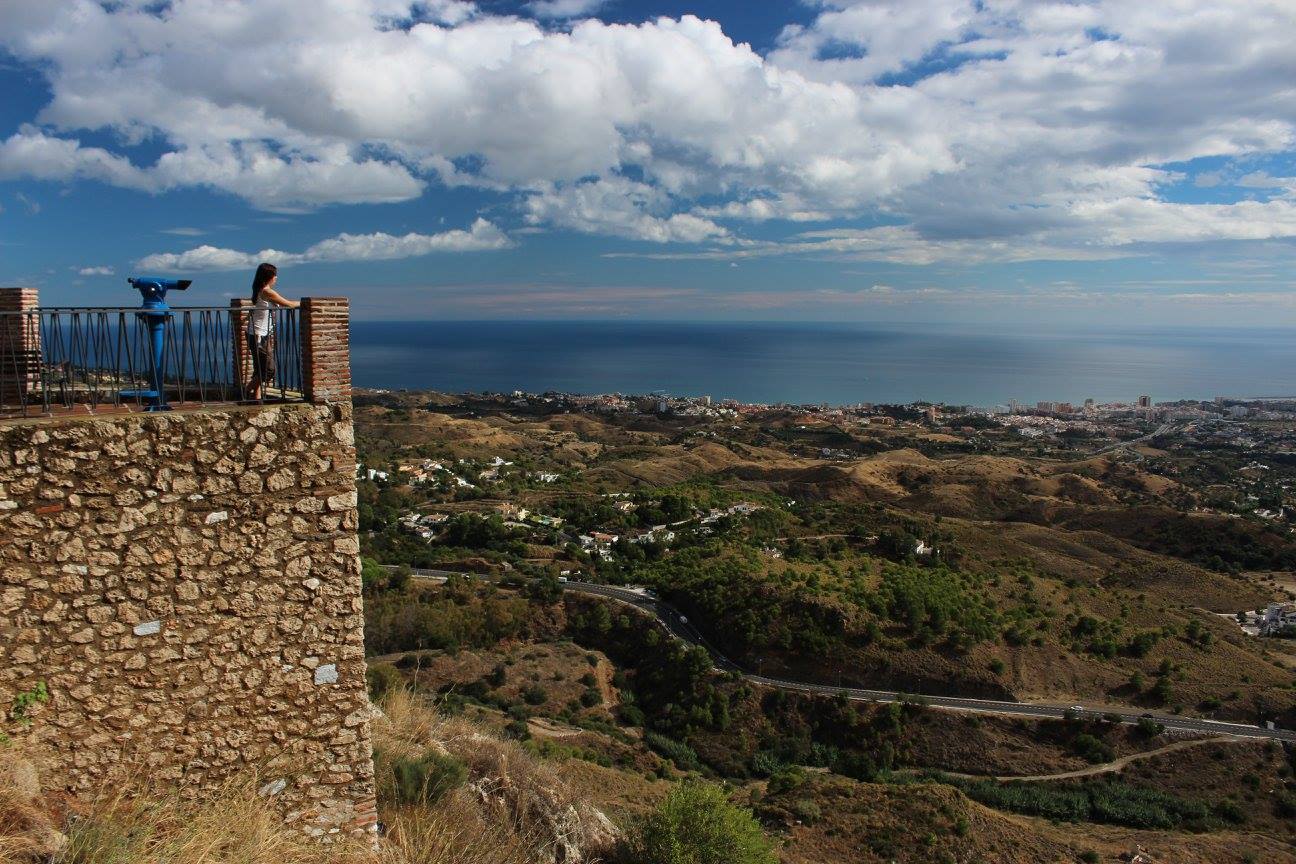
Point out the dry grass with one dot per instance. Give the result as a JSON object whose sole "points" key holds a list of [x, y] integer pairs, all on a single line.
{"points": [[513, 810], [26, 828], [513, 803], [230, 824]]}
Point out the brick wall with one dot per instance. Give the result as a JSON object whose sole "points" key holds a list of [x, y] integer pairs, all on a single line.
{"points": [[326, 348], [239, 312], [19, 344], [187, 587]]}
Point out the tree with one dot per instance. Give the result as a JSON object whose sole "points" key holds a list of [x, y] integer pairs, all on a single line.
{"points": [[373, 576], [696, 824]]}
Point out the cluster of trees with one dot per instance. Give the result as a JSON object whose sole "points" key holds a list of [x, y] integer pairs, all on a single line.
{"points": [[475, 533], [1108, 801], [420, 617], [723, 587], [837, 734], [380, 505], [669, 686], [936, 604]]}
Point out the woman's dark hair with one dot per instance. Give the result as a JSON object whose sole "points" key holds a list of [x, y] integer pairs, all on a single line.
{"points": [[265, 272]]}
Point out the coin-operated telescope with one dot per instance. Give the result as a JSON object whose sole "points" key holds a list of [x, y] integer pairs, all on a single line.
{"points": [[154, 313]]}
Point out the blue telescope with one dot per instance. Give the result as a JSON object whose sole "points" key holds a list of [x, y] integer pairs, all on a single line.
{"points": [[154, 289], [154, 313]]}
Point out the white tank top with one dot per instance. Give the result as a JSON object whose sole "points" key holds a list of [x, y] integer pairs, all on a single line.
{"points": [[259, 322]]}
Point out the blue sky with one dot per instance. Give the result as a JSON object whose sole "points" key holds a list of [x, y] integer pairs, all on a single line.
{"points": [[938, 161]]}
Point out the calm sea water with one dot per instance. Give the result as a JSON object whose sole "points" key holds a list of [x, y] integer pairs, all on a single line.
{"points": [[833, 363]]}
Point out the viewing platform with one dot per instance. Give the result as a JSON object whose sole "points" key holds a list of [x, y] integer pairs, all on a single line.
{"points": [[180, 592], [97, 360]]}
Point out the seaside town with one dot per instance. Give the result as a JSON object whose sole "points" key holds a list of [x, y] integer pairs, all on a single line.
{"points": [[1249, 470]]}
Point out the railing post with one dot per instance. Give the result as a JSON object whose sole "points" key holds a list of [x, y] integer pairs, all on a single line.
{"points": [[20, 349], [326, 348], [239, 307]]}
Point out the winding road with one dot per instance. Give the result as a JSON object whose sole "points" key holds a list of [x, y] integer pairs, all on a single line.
{"points": [[680, 627]]}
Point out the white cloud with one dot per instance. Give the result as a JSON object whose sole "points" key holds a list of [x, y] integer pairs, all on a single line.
{"points": [[763, 209], [622, 208], [379, 246], [29, 152], [184, 232], [565, 8], [875, 37], [250, 170], [32, 205], [95, 271], [1006, 126], [1265, 180]]}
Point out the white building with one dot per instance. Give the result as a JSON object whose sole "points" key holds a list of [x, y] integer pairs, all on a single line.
{"points": [[1276, 617]]}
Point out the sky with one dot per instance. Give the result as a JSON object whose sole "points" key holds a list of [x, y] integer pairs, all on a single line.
{"points": [[1008, 162]]}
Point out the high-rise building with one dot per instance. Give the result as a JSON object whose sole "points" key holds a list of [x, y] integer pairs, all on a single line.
{"points": [[1089, 405], [1145, 402]]}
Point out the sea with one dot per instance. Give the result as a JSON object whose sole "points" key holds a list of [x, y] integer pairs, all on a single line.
{"points": [[836, 363]]}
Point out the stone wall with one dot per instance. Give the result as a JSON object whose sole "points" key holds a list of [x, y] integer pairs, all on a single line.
{"points": [[186, 586]]}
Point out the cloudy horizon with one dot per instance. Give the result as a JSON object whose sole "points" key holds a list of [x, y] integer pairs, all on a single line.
{"points": [[941, 160]]}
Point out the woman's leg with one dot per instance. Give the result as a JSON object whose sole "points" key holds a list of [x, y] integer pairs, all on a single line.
{"points": [[254, 386]]}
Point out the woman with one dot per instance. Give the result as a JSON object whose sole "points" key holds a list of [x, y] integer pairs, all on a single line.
{"points": [[260, 328]]}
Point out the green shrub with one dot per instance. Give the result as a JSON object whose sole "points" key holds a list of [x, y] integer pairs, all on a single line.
{"points": [[535, 695], [373, 576], [1091, 749], [696, 824], [676, 751], [427, 779], [381, 679], [807, 811], [1149, 728], [1109, 802], [631, 714], [1089, 857], [788, 778]]}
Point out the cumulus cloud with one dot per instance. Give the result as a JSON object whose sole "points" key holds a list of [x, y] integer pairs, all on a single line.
{"points": [[1002, 125], [379, 246], [1265, 180], [248, 169], [95, 271], [622, 208]]}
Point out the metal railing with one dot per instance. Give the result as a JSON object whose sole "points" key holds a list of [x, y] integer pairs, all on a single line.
{"points": [[91, 359]]}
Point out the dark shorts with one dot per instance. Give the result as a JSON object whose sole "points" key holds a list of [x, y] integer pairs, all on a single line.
{"points": [[262, 350]]}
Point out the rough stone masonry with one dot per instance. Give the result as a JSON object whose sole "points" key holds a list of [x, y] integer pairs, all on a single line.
{"points": [[186, 587]]}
